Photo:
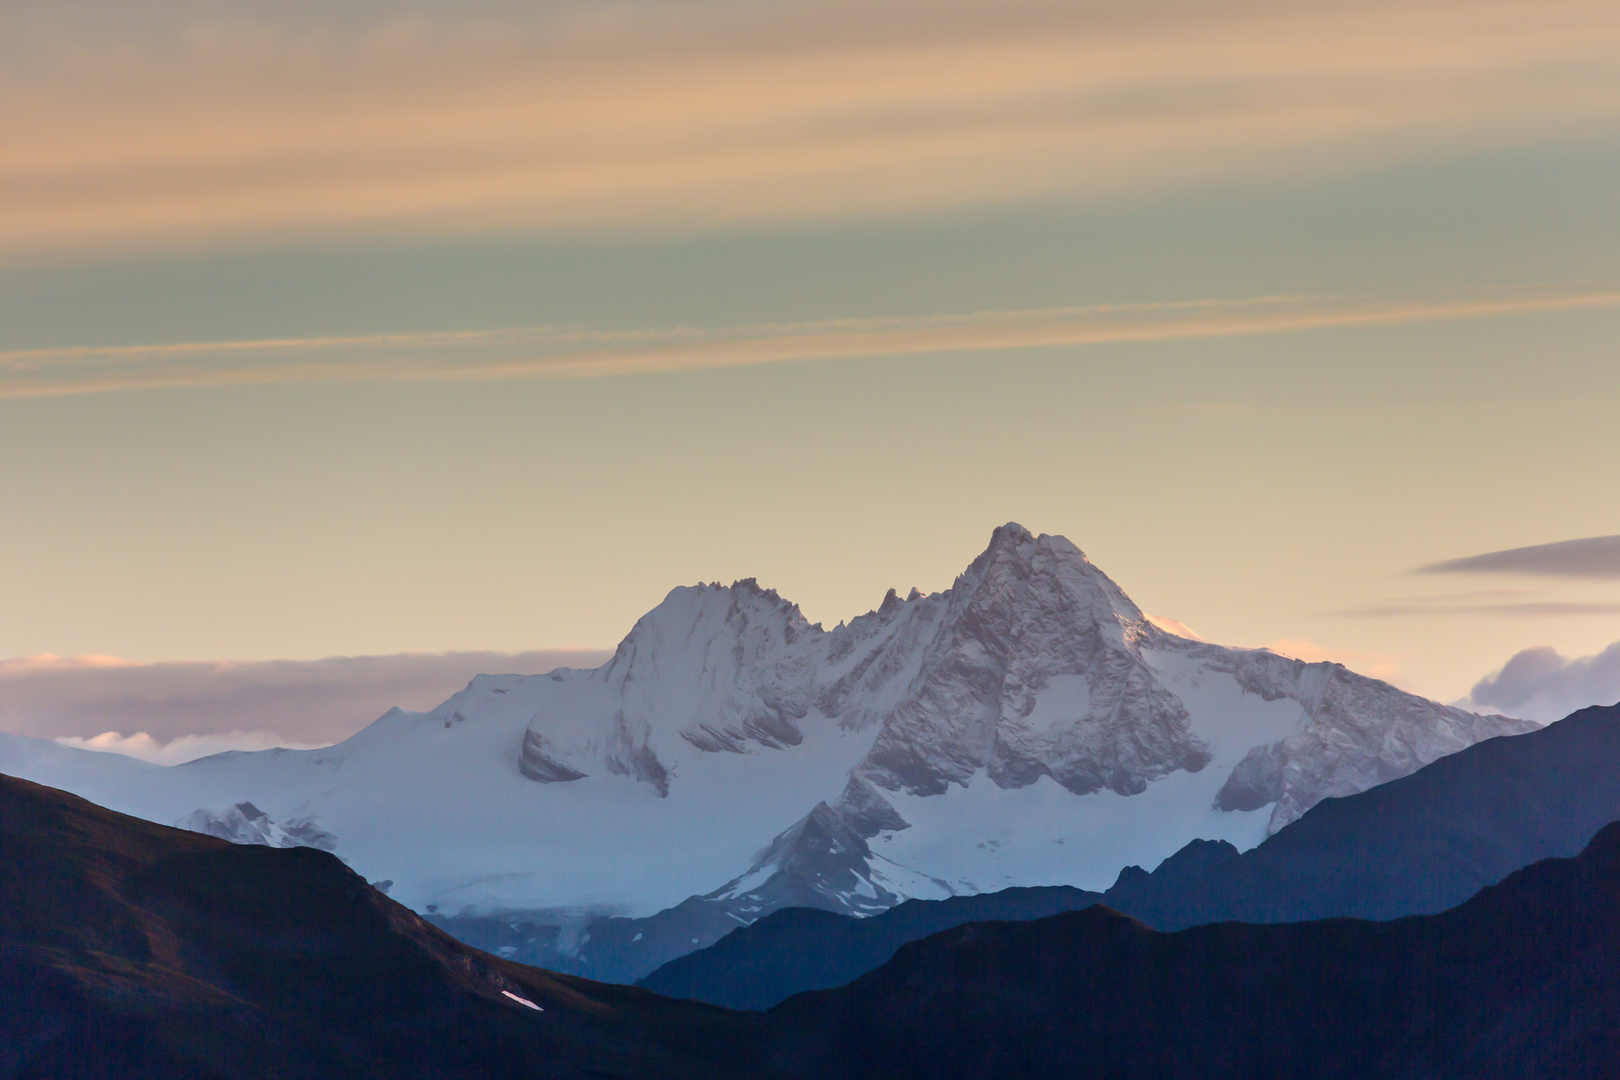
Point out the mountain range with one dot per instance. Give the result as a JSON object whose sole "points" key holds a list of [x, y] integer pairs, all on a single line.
{"points": [[1028, 726]]}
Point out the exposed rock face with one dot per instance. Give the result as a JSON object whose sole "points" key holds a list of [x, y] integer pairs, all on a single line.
{"points": [[538, 761], [822, 861], [1034, 664], [245, 823], [722, 669], [1025, 668], [1358, 733], [1028, 612]]}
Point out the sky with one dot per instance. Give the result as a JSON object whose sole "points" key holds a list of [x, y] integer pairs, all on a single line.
{"points": [[346, 345]]}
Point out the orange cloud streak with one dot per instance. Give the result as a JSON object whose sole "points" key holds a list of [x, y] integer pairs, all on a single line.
{"points": [[560, 352], [675, 116]]}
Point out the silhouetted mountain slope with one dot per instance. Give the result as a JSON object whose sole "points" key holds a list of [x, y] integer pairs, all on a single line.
{"points": [[806, 948], [1521, 981], [1416, 845], [132, 950]]}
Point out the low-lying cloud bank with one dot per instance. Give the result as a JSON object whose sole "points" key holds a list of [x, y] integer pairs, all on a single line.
{"points": [[183, 749], [178, 711], [1540, 684]]}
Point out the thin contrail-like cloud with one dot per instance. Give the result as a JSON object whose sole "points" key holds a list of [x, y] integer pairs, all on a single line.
{"points": [[563, 352]]}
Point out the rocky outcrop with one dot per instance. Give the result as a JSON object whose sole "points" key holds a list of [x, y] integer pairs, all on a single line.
{"points": [[1032, 672], [245, 823], [1357, 732], [723, 669], [1026, 667]]}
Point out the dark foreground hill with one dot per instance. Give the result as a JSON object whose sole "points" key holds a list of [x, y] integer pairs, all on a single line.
{"points": [[129, 950], [1417, 845], [1521, 981], [795, 949]]}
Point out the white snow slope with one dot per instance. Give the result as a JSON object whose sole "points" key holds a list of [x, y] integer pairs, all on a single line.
{"points": [[1027, 726]]}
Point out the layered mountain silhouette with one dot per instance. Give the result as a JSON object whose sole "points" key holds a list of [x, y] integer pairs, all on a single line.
{"points": [[132, 950], [1416, 845], [1523, 980], [798, 949]]}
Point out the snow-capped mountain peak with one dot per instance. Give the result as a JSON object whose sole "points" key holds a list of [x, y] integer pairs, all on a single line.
{"points": [[719, 667], [1027, 725], [1033, 672]]}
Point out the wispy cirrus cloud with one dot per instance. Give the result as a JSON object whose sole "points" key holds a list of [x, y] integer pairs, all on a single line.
{"points": [[565, 352], [159, 122]]}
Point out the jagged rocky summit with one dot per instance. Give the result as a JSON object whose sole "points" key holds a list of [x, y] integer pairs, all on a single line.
{"points": [[1027, 726], [1034, 666]]}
